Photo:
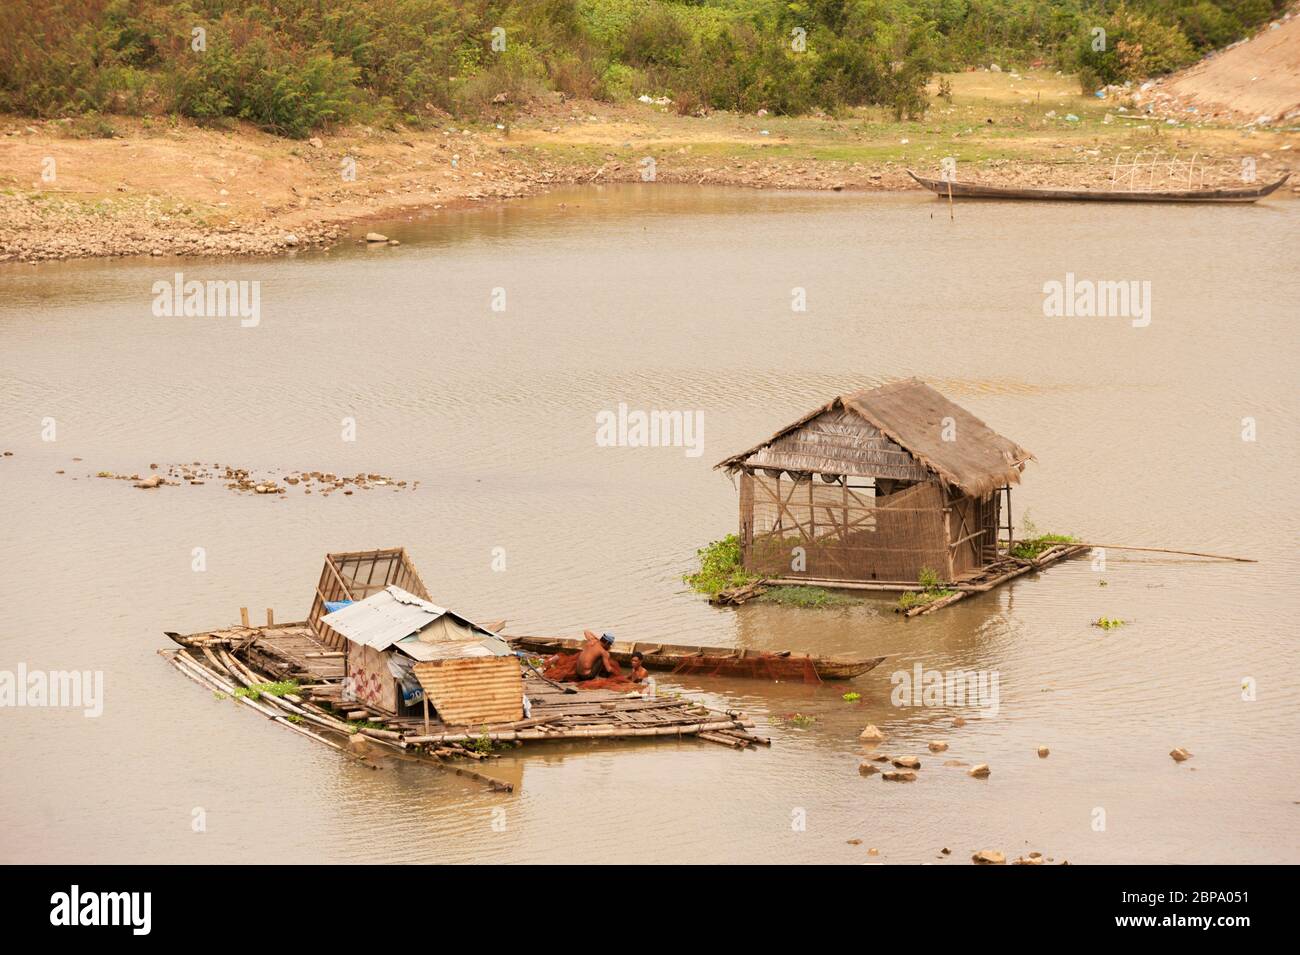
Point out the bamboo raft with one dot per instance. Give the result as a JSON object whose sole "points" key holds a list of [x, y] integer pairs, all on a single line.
{"points": [[232, 660], [947, 189], [717, 661]]}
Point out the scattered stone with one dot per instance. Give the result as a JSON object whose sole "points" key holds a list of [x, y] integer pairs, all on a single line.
{"points": [[946, 851], [867, 768], [1043, 752], [898, 776], [315, 143], [151, 482], [855, 842], [1179, 754], [981, 771], [937, 747], [988, 857], [907, 762], [376, 237], [872, 733], [1034, 858]]}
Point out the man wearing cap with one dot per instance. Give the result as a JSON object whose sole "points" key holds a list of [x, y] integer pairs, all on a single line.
{"points": [[594, 660]]}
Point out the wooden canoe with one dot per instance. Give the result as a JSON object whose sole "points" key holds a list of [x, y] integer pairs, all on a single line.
{"points": [[975, 190], [722, 661]]}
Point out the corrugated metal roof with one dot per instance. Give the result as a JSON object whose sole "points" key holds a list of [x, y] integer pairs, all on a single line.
{"points": [[453, 649], [384, 618]]}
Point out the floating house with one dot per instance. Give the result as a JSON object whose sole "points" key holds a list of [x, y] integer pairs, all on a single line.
{"points": [[875, 489], [407, 656]]}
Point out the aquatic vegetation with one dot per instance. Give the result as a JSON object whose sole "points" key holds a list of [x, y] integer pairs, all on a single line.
{"points": [[801, 720], [280, 688], [928, 579], [1108, 623], [796, 596], [357, 725], [720, 567], [1030, 548], [851, 697]]}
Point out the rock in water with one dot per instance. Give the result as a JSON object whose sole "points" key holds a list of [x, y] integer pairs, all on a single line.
{"points": [[937, 747], [872, 733], [376, 237], [988, 857], [899, 776], [981, 771], [907, 762], [151, 482], [1043, 752], [867, 768], [1180, 754]]}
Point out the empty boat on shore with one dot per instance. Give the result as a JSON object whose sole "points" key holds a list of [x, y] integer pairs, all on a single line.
{"points": [[975, 190]]}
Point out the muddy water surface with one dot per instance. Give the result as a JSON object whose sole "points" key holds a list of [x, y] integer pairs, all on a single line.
{"points": [[669, 298]]}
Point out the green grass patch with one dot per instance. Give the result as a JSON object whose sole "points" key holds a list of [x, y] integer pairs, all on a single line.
{"points": [[806, 597], [720, 568], [281, 688], [933, 590], [1031, 548]]}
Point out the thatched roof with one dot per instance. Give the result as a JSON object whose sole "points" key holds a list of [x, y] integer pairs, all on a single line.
{"points": [[894, 431]]}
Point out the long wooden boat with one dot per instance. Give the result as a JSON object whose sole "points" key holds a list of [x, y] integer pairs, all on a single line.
{"points": [[720, 661], [975, 190]]}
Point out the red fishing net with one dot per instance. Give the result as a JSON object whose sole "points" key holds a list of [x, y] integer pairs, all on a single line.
{"points": [[563, 668]]}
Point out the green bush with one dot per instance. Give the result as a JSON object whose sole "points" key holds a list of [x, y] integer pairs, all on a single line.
{"points": [[720, 567], [296, 65]]}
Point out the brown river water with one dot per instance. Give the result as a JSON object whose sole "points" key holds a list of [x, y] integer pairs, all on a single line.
{"points": [[667, 298]]}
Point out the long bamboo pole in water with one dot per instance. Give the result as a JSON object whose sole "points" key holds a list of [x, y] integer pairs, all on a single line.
{"points": [[1165, 550]]}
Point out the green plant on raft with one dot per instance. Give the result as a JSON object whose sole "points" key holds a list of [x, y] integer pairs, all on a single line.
{"points": [[280, 688], [1108, 623], [720, 567], [356, 726], [931, 591], [1032, 547]]}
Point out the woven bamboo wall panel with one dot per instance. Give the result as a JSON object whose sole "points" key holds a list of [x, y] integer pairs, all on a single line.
{"points": [[847, 533], [474, 690]]}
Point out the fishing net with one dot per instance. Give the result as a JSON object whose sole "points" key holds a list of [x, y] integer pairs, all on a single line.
{"points": [[764, 666], [563, 668]]}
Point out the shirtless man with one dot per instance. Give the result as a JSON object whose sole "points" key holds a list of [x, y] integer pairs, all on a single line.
{"points": [[639, 672], [594, 660]]}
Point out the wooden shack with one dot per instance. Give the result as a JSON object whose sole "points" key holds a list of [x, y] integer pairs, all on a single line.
{"points": [[355, 575], [405, 655], [876, 488]]}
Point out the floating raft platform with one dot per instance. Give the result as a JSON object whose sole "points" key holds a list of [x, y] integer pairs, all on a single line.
{"points": [[715, 661], [231, 660]]}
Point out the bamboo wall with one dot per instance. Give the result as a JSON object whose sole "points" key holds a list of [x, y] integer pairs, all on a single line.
{"points": [[851, 534]]}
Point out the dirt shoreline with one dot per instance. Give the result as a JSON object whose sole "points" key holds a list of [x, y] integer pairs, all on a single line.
{"points": [[167, 187]]}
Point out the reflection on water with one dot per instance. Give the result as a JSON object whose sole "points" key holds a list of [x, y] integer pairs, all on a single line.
{"points": [[680, 299]]}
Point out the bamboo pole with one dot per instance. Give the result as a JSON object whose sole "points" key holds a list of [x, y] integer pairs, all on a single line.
{"points": [[1165, 550], [610, 731]]}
